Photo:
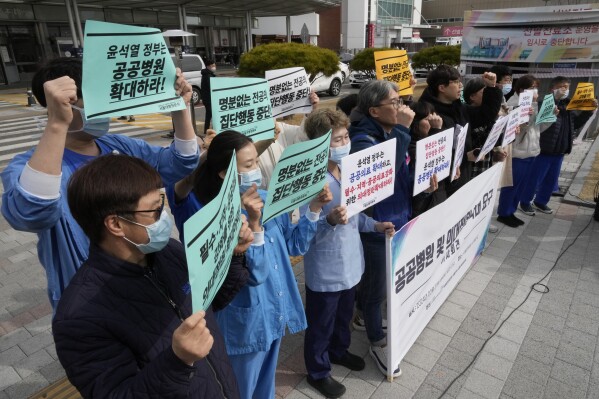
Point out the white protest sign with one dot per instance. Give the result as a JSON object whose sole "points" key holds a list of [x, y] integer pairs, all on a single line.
{"points": [[492, 138], [289, 91], [459, 151], [367, 177], [525, 105], [433, 155], [513, 121], [429, 255]]}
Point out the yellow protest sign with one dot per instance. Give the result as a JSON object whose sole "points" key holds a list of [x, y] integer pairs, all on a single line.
{"points": [[584, 98], [393, 65]]}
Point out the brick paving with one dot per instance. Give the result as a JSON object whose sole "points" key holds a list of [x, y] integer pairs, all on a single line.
{"points": [[547, 349]]}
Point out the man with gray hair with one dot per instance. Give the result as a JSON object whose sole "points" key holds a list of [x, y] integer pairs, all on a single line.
{"points": [[385, 118]]}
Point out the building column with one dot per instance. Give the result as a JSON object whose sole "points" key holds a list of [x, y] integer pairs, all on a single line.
{"points": [[288, 28], [78, 22], [71, 23], [248, 20]]}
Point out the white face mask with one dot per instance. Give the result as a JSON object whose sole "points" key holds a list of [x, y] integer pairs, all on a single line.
{"points": [[247, 179], [336, 153], [561, 93]]}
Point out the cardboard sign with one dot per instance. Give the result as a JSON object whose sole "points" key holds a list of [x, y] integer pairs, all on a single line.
{"points": [[433, 156], [368, 177], [298, 177], [289, 91], [127, 70], [546, 113], [243, 105], [459, 151], [393, 65], [492, 137], [210, 237], [513, 121], [584, 98], [525, 105], [429, 255]]}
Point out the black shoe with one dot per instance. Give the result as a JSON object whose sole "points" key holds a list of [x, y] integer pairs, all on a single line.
{"points": [[351, 361], [517, 220], [327, 386], [507, 220], [122, 118]]}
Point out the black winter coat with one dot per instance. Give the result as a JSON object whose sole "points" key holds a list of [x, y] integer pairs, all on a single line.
{"points": [[457, 113], [113, 331], [205, 86], [558, 138]]}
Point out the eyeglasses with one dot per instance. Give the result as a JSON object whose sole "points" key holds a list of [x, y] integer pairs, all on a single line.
{"points": [[157, 212], [398, 102]]}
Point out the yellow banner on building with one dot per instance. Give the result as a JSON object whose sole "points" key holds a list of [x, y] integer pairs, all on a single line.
{"points": [[584, 98], [393, 65]]}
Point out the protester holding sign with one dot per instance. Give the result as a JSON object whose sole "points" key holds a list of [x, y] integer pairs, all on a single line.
{"points": [[333, 266], [35, 182], [124, 326], [254, 322], [524, 150], [443, 92], [554, 142], [385, 117], [426, 123]]}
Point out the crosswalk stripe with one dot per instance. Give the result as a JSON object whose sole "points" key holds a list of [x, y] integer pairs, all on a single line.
{"points": [[20, 134]]}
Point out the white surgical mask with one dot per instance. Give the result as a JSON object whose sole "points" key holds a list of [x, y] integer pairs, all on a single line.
{"points": [[506, 88], [159, 234], [96, 127], [336, 153], [246, 179], [561, 93]]}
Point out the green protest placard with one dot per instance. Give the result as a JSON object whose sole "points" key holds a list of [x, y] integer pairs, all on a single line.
{"points": [[298, 177], [210, 237], [242, 104], [546, 114], [127, 70]]}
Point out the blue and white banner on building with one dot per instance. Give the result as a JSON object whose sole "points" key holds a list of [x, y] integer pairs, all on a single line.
{"points": [[429, 255]]}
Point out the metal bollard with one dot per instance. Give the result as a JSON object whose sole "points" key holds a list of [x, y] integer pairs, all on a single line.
{"points": [[30, 99]]}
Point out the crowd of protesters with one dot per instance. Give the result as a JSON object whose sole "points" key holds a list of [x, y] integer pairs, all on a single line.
{"points": [[118, 283]]}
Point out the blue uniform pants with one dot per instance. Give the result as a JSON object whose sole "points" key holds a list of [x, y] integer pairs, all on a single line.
{"points": [[328, 335], [255, 372], [510, 196], [542, 179]]}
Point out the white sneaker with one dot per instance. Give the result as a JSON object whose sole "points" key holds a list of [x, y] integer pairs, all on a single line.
{"points": [[379, 354], [359, 325]]}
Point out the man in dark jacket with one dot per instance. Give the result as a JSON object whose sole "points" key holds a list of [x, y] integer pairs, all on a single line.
{"points": [[443, 92], [124, 327], [207, 73], [555, 142], [385, 118]]}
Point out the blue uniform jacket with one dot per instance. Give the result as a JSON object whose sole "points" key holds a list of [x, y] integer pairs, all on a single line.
{"points": [[62, 245], [270, 301], [398, 207]]}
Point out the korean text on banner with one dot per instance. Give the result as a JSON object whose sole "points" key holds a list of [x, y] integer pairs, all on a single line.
{"points": [[496, 131], [524, 105], [429, 255], [127, 70], [367, 177], [584, 98], [242, 104], [393, 65], [210, 237], [546, 113], [511, 126], [433, 156], [289, 91], [298, 177], [459, 151]]}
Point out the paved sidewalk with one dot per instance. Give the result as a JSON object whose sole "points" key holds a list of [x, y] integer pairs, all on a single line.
{"points": [[547, 349]]}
